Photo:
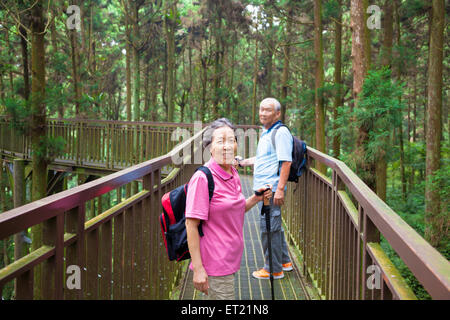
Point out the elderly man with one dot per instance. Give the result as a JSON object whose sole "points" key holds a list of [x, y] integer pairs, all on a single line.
{"points": [[271, 166]]}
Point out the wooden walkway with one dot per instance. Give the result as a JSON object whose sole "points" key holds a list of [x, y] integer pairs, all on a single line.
{"points": [[291, 287]]}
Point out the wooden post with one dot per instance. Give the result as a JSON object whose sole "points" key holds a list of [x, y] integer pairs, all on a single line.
{"points": [[337, 185], [19, 199], [75, 253], [52, 268], [370, 234]]}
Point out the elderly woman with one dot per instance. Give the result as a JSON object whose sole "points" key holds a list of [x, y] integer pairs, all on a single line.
{"points": [[216, 256]]}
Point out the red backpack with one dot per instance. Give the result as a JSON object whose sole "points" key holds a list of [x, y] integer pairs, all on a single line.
{"points": [[173, 219]]}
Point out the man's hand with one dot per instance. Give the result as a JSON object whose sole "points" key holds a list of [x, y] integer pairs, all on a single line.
{"points": [[278, 199], [249, 162], [236, 161]]}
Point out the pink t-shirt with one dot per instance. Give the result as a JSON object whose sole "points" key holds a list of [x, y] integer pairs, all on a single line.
{"points": [[222, 245]]}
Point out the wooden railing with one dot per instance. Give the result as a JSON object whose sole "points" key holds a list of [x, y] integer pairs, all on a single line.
{"points": [[112, 145], [119, 253], [102, 144], [336, 225]]}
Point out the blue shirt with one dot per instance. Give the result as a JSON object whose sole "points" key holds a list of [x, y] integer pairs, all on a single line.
{"points": [[268, 159]]}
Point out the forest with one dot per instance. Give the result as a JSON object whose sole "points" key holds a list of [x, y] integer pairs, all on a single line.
{"points": [[366, 82]]}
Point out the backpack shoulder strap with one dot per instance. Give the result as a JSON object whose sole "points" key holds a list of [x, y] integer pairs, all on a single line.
{"points": [[210, 178], [274, 132]]}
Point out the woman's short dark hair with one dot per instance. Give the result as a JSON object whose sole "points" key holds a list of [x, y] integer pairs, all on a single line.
{"points": [[219, 123]]}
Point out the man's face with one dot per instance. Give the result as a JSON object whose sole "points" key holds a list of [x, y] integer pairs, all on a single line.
{"points": [[267, 115]]}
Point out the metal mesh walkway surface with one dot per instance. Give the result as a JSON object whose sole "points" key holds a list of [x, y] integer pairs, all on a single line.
{"points": [[291, 287]]}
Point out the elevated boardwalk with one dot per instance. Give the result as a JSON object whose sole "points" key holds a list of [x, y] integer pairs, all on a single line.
{"points": [[291, 287], [333, 219]]}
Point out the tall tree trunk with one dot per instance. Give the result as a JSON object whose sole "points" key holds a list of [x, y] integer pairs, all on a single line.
{"points": [[217, 64], [169, 30], [153, 94], [128, 61], [367, 38], [357, 25], [136, 73], [146, 116], [414, 136], [11, 76], [269, 62], [75, 70], [26, 77], [2, 88], [436, 223], [54, 41], [255, 82], [38, 122], [285, 75], [360, 54], [400, 128], [386, 59], [337, 79], [204, 72], [92, 62], [191, 87], [231, 78], [318, 95]]}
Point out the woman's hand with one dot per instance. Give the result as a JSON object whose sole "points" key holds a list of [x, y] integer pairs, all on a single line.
{"points": [[254, 199], [267, 194], [200, 276], [201, 280]]}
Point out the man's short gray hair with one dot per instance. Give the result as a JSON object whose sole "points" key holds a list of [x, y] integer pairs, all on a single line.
{"points": [[272, 102], [219, 123]]}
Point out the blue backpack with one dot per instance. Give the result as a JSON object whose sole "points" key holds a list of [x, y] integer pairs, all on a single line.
{"points": [[299, 152]]}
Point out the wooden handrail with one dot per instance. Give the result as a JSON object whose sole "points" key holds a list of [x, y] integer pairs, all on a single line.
{"points": [[132, 123], [100, 144], [69, 206], [33, 213], [425, 262]]}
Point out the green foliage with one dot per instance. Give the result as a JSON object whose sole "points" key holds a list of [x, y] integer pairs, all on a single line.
{"points": [[411, 8], [378, 108], [440, 181], [20, 114], [50, 148], [55, 97], [415, 153], [413, 212], [409, 277], [378, 112], [330, 9]]}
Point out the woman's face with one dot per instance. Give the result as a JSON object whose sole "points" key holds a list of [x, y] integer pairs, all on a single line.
{"points": [[223, 145]]}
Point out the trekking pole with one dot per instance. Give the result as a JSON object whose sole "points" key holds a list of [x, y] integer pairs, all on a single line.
{"points": [[265, 210]]}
